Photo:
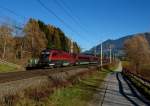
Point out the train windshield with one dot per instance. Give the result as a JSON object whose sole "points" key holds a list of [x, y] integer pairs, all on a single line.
{"points": [[45, 54]]}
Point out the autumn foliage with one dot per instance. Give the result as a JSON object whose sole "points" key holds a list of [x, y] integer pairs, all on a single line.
{"points": [[138, 52], [32, 38]]}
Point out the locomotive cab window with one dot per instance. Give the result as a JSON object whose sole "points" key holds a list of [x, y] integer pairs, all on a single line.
{"points": [[45, 54]]}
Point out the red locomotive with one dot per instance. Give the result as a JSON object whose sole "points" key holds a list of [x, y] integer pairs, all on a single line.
{"points": [[58, 58]]}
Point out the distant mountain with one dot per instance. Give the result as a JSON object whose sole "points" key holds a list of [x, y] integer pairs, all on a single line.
{"points": [[116, 45]]}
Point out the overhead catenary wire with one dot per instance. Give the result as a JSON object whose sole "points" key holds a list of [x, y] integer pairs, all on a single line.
{"points": [[23, 17], [70, 10], [16, 14], [13, 12], [63, 5], [16, 26], [49, 10], [60, 19], [65, 9], [2, 21], [68, 7]]}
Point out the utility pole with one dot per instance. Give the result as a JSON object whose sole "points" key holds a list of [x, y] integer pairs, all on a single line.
{"points": [[110, 57], [101, 55], [95, 51]]}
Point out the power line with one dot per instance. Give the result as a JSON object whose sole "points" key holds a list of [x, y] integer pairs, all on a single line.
{"points": [[54, 14], [68, 13], [65, 4], [16, 14], [13, 12], [62, 21], [2, 21], [49, 10], [57, 2], [77, 19]]}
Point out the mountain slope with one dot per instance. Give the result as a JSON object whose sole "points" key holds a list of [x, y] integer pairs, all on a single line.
{"points": [[116, 45]]}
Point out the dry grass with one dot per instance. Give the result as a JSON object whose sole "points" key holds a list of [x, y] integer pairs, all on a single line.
{"points": [[64, 91], [144, 69], [81, 93], [7, 68], [35, 96]]}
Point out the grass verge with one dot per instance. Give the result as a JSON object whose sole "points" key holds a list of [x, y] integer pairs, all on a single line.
{"points": [[79, 94], [6, 68]]}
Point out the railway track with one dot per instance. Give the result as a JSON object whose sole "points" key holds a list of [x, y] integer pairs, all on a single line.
{"points": [[12, 76]]}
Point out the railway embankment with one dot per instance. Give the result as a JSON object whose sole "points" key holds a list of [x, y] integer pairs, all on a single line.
{"points": [[42, 84]]}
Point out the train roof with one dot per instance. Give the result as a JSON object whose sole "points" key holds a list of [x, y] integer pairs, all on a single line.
{"points": [[88, 54], [53, 49]]}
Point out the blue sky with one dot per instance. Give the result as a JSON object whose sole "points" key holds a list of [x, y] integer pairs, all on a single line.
{"points": [[99, 19]]}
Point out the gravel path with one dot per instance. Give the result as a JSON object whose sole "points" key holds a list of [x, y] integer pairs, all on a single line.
{"points": [[118, 91]]}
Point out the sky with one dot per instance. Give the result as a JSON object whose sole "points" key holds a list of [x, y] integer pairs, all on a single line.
{"points": [[88, 22]]}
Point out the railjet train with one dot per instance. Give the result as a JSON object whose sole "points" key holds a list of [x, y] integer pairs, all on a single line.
{"points": [[58, 58]]}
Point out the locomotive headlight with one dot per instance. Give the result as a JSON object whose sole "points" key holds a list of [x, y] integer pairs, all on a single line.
{"points": [[47, 53]]}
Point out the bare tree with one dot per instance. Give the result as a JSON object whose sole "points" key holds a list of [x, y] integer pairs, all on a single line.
{"points": [[18, 47], [6, 38]]}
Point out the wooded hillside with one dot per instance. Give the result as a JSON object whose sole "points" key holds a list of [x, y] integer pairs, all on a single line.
{"points": [[33, 37]]}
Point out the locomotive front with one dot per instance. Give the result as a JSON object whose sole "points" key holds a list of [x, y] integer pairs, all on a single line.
{"points": [[45, 59]]}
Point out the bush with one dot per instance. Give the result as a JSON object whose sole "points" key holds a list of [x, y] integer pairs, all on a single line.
{"points": [[9, 100], [39, 93]]}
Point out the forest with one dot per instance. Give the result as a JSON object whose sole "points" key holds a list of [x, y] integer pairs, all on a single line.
{"points": [[18, 46]]}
